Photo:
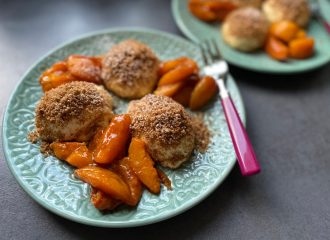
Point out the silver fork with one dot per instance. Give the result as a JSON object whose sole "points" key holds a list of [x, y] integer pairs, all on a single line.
{"points": [[217, 68]]}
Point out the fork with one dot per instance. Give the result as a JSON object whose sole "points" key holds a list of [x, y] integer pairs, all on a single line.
{"points": [[217, 68]]}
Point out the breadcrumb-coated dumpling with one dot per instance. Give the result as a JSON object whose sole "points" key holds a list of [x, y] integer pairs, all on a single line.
{"points": [[165, 127], [72, 112], [294, 10], [245, 29], [130, 69]]}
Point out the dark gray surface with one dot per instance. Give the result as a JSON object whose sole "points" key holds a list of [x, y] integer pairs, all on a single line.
{"points": [[288, 122]]}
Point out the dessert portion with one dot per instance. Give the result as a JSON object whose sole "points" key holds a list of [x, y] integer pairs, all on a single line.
{"points": [[117, 155], [130, 69], [165, 127], [245, 29], [249, 25], [72, 112], [293, 10]]}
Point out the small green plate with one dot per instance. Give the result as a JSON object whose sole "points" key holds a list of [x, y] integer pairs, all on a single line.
{"points": [[51, 183], [259, 61]]}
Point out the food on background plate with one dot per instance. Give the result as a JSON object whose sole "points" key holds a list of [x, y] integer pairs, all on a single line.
{"points": [[217, 10], [245, 29], [293, 10], [286, 39], [211, 10], [301, 48], [275, 25], [118, 155], [277, 49], [165, 127], [72, 112], [130, 69]]}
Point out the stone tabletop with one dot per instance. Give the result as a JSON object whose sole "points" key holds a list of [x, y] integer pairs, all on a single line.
{"points": [[287, 121]]}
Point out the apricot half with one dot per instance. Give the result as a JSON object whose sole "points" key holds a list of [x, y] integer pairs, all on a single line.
{"points": [[277, 49], [105, 180], [143, 166], [203, 92], [301, 48], [126, 172], [112, 142]]}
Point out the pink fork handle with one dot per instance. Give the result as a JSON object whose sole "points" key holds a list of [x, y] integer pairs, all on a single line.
{"points": [[244, 151], [326, 26]]}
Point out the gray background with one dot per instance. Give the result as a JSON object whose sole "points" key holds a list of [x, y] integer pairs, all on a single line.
{"points": [[288, 122]]}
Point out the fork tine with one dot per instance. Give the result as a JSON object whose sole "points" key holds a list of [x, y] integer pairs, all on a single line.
{"points": [[217, 51], [209, 49], [205, 58]]}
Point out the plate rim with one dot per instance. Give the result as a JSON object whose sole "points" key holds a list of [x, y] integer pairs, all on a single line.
{"points": [[103, 223], [184, 29]]}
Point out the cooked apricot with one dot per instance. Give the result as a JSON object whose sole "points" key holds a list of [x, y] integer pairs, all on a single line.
{"points": [[201, 12], [284, 30], [210, 10], [169, 90], [80, 157], [103, 201], [220, 8], [276, 49], [113, 141], [301, 34], [62, 150], [85, 68], [169, 65], [143, 166], [55, 76], [106, 181], [205, 89], [183, 95], [132, 181], [96, 140], [301, 48], [180, 73]]}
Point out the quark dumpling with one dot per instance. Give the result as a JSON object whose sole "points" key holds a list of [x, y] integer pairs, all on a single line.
{"points": [[165, 127], [130, 69], [294, 10], [245, 29], [72, 112]]}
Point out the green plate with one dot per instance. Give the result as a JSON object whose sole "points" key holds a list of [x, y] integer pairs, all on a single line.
{"points": [[198, 31], [51, 183]]}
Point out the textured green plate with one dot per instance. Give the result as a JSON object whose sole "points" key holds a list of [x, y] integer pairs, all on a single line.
{"points": [[198, 31], [50, 182]]}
